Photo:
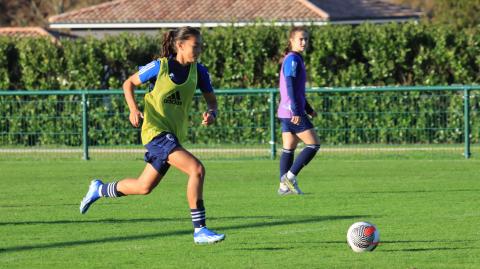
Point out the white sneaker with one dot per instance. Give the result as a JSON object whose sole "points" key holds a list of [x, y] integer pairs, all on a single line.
{"points": [[206, 236], [283, 189], [292, 184]]}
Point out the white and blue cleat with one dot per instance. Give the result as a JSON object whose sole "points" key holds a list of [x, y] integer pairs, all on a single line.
{"points": [[291, 184], [284, 190], [206, 236], [91, 196]]}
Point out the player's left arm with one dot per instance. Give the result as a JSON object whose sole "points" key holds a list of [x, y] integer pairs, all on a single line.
{"points": [[211, 114], [205, 86], [309, 109]]}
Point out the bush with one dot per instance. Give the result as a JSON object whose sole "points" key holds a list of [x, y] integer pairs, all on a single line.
{"points": [[248, 57]]}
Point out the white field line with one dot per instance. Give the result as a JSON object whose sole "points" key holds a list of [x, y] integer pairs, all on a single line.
{"points": [[234, 150]]}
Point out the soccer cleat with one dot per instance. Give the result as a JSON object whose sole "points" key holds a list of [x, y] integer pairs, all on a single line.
{"points": [[292, 184], [284, 190], [91, 196], [206, 236], [295, 185]]}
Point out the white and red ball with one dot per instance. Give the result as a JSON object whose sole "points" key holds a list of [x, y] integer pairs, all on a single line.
{"points": [[363, 236]]}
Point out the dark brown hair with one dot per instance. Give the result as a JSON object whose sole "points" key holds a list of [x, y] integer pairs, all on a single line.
{"points": [[172, 36], [293, 30]]}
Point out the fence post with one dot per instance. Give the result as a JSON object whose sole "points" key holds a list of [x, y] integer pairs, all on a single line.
{"points": [[273, 141], [466, 117], [85, 126]]}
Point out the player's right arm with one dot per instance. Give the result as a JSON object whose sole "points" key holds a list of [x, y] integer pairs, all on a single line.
{"points": [[290, 72], [129, 92], [146, 73]]}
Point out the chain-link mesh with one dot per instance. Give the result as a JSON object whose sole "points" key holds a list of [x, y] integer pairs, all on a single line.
{"points": [[393, 122], [406, 123]]}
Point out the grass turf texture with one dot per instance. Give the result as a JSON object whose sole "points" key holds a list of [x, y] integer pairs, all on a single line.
{"points": [[426, 211]]}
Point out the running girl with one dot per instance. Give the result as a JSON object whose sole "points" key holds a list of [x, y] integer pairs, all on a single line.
{"points": [[164, 126]]}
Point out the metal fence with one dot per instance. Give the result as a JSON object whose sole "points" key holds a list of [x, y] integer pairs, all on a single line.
{"points": [[359, 120]]}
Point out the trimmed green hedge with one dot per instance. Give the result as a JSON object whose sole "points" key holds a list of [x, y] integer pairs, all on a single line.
{"points": [[248, 57]]}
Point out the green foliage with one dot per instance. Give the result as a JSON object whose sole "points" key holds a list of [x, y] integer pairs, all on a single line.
{"points": [[41, 63], [457, 13], [4, 74], [83, 65], [249, 57], [244, 57], [123, 54]]}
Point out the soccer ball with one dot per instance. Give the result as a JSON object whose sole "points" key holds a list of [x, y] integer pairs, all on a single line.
{"points": [[363, 236]]}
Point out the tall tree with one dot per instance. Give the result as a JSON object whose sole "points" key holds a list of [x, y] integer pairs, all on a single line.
{"points": [[457, 13]]}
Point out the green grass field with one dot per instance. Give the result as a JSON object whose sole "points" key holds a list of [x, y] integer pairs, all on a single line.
{"points": [[426, 211]]}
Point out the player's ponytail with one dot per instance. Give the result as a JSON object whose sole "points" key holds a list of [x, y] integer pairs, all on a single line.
{"points": [[172, 36], [168, 44], [288, 48]]}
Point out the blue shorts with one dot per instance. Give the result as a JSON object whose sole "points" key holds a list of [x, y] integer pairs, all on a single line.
{"points": [[289, 127], [158, 150]]}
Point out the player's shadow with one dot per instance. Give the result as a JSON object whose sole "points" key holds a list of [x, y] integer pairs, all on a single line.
{"points": [[146, 220], [34, 205], [263, 221], [99, 221]]}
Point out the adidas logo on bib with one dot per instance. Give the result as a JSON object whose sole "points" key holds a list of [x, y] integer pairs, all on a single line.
{"points": [[173, 99]]}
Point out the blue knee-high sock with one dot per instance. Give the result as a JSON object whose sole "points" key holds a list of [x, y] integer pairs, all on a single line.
{"points": [[304, 158], [198, 215], [110, 190], [286, 160]]}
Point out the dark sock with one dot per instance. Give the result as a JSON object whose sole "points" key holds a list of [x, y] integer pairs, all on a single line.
{"points": [[198, 215], [304, 158], [110, 190], [286, 160]]}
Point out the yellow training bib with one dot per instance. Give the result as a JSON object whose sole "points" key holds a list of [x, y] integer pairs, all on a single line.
{"points": [[168, 104]]}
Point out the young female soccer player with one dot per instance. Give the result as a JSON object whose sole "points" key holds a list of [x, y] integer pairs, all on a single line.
{"points": [[292, 112], [165, 119]]}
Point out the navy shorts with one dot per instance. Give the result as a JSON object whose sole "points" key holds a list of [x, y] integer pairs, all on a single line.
{"points": [[289, 127], [158, 150]]}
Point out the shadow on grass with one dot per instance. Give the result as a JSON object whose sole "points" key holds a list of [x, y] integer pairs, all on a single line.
{"points": [[264, 222], [34, 205], [293, 245], [427, 241], [264, 249], [419, 249], [100, 221], [417, 191], [426, 249], [140, 220]]}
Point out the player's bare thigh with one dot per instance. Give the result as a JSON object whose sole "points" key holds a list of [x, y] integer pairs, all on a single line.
{"points": [[289, 140], [309, 137]]}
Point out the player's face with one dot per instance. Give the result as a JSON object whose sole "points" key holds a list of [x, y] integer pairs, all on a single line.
{"points": [[190, 49], [299, 41]]}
